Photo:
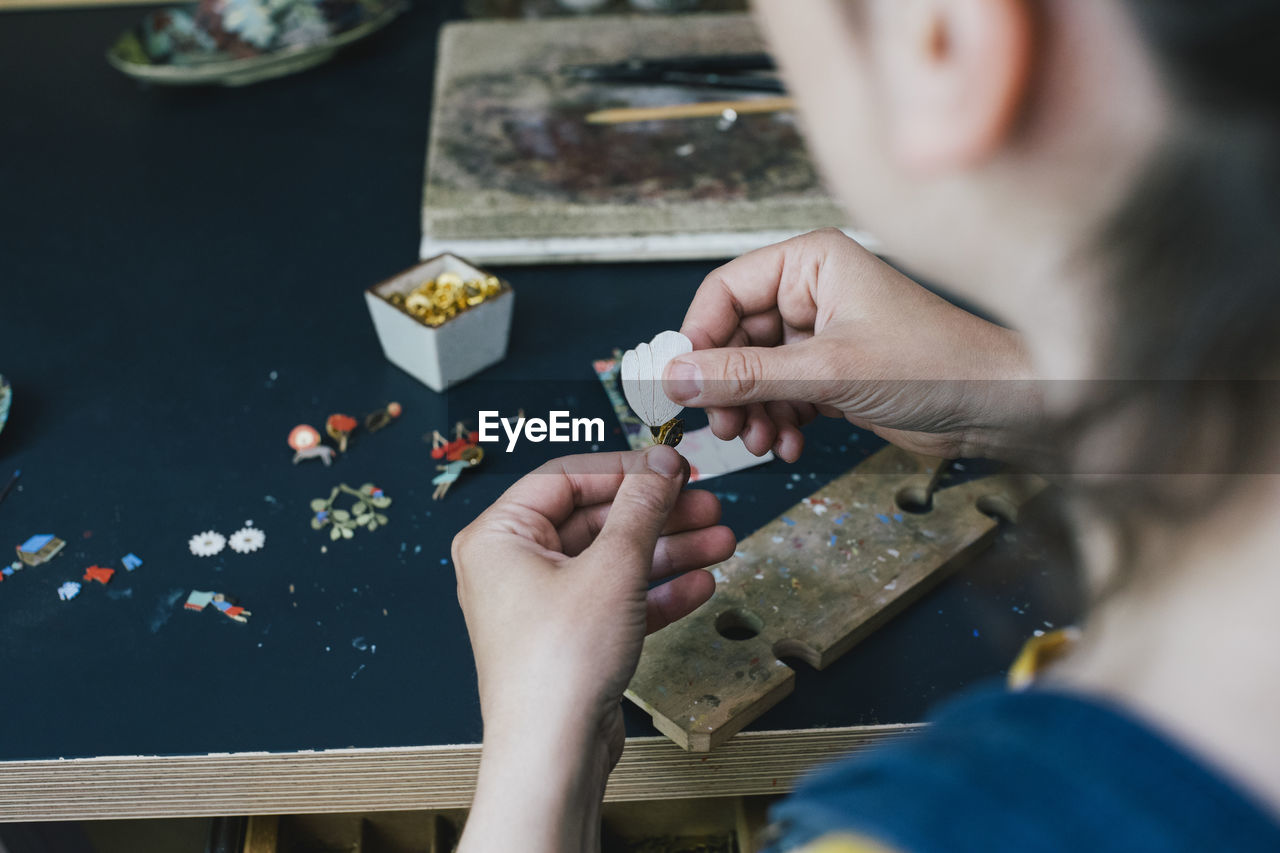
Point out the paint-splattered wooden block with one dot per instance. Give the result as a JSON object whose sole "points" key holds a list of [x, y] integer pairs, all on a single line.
{"points": [[811, 584]]}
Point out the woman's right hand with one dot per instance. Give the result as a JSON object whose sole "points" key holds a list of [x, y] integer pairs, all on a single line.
{"points": [[819, 325]]}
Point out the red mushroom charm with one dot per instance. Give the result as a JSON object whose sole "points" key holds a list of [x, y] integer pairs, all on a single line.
{"points": [[340, 428]]}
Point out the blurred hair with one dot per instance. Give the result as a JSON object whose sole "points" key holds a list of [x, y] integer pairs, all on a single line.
{"points": [[1194, 268]]}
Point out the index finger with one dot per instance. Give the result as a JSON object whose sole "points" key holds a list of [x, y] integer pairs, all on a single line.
{"points": [[759, 282], [555, 489]]}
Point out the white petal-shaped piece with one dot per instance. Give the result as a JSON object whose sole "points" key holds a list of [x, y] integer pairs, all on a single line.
{"points": [[642, 377]]}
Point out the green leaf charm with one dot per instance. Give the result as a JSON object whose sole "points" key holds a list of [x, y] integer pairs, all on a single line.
{"points": [[345, 522]]}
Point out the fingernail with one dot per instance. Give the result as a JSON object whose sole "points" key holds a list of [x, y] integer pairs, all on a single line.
{"points": [[683, 381], [663, 460]]}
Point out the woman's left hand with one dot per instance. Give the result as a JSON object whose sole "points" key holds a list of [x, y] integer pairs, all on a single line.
{"points": [[554, 580]]}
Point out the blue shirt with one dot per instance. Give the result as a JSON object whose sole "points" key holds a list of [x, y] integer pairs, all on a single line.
{"points": [[1033, 772]]}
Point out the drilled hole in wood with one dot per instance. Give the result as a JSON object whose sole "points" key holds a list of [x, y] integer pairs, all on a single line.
{"points": [[738, 624], [794, 653], [998, 508], [914, 499]]}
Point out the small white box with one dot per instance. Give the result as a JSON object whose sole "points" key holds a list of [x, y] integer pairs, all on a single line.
{"points": [[444, 355]]}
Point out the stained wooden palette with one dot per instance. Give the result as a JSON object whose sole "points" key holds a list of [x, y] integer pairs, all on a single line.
{"points": [[811, 584]]}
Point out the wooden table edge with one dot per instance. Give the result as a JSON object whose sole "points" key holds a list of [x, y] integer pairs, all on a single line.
{"points": [[396, 778]]}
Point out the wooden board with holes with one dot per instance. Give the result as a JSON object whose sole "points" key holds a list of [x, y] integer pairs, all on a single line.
{"points": [[810, 585]]}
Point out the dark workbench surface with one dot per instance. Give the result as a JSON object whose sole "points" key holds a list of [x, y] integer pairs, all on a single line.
{"points": [[181, 277]]}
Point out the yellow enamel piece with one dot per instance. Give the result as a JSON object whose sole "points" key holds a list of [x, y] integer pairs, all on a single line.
{"points": [[1038, 653]]}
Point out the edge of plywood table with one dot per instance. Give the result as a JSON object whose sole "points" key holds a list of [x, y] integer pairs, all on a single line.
{"points": [[395, 778]]}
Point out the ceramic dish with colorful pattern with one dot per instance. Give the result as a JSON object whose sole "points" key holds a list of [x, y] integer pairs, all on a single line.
{"points": [[236, 42]]}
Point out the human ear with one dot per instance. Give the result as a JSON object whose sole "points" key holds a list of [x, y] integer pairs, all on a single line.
{"points": [[953, 76]]}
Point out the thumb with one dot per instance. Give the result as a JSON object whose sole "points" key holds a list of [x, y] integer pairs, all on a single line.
{"points": [[640, 508], [733, 376]]}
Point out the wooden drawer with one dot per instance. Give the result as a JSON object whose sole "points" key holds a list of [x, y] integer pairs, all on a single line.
{"points": [[719, 825]]}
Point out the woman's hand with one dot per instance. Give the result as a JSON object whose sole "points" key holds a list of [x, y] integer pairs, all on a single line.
{"points": [[818, 325], [553, 580]]}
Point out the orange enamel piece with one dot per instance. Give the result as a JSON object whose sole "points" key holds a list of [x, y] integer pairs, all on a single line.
{"points": [[303, 436], [99, 574]]}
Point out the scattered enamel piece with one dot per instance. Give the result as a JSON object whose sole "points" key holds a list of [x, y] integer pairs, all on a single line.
{"points": [[131, 561], [99, 574], [207, 544], [303, 436], [305, 440], [339, 427], [68, 590], [200, 599], [364, 512], [233, 611], [460, 454], [375, 421], [247, 539], [1039, 653], [39, 549]]}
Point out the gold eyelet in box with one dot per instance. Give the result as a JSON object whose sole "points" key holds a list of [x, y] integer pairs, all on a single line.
{"points": [[441, 346]]}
